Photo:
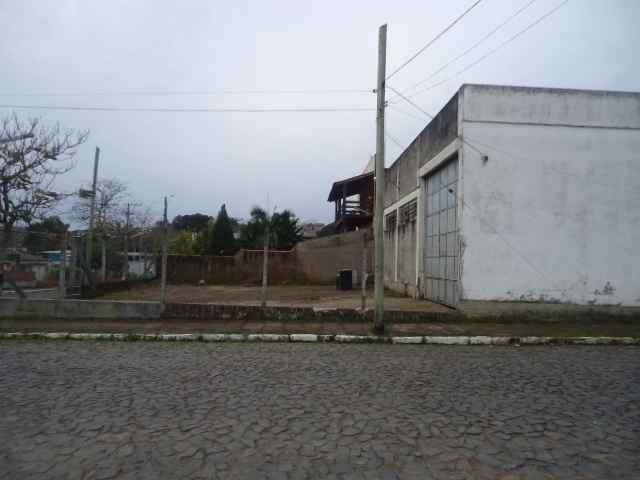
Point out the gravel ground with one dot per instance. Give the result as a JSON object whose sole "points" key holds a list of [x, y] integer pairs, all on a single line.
{"points": [[163, 410]]}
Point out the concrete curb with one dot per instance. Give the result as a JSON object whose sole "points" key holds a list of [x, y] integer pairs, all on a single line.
{"points": [[313, 338]]}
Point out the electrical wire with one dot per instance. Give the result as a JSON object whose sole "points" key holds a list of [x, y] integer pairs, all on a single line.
{"points": [[491, 52], [404, 112], [410, 102], [419, 108], [394, 140], [184, 93], [474, 46], [433, 40], [188, 110]]}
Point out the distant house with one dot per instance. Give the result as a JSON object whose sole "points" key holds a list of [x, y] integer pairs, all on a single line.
{"points": [[310, 230], [55, 256], [26, 269], [353, 198], [142, 264]]}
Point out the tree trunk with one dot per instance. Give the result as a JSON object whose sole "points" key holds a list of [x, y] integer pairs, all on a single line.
{"points": [[7, 230], [103, 269]]}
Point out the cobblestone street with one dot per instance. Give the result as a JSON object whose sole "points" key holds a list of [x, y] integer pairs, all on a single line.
{"points": [[173, 410]]}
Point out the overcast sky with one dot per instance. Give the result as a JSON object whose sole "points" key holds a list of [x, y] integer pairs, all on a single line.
{"points": [[206, 159]]}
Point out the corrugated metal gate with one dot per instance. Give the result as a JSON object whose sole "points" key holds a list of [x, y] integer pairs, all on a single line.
{"points": [[441, 253]]}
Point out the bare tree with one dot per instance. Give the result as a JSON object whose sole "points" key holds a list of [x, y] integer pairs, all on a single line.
{"points": [[146, 236], [111, 197], [32, 155], [110, 222]]}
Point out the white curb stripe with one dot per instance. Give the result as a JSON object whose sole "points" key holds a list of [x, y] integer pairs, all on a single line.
{"points": [[303, 337], [313, 338], [407, 340]]}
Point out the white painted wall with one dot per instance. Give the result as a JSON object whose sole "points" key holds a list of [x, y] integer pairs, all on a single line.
{"points": [[554, 214], [138, 261]]}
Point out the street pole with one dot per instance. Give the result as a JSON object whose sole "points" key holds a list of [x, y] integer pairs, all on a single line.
{"points": [[165, 241], [378, 321], [265, 264], [92, 209], [125, 274], [62, 287]]}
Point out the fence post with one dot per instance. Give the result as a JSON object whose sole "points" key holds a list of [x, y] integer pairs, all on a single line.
{"points": [[62, 284]]}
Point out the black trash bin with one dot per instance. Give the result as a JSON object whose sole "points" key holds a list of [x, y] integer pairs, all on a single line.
{"points": [[345, 279]]}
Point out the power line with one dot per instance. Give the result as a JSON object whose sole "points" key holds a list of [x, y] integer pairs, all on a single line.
{"points": [[394, 140], [491, 52], [395, 108], [474, 46], [189, 110], [410, 102], [433, 40], [183, 93], [418, 107]]}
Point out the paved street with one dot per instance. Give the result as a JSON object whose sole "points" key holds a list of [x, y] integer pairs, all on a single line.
{"points": [[171, 410]]}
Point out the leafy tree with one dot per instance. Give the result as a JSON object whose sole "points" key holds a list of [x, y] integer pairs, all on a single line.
{"points": [[45, 235], [221, 237], [185, 243], [32, 155], [252, 232], [195, 222], [284, 230]]}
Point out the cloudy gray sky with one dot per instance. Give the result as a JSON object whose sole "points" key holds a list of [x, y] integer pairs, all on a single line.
{"points": [[206, 159]]}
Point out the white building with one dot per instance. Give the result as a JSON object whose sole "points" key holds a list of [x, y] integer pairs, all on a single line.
{"points": [[142, 264], [514, 193]]}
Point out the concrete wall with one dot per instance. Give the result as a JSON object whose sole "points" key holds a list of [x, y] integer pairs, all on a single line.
{"points": [[554, 214], [244, 267], [402, 185], [405, 281], [78, 309], [389, 235], [319, 260], [312, 261], [401, 178]]}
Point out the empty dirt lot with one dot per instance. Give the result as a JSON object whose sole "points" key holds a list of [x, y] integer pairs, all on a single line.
{"points": [[281, 295]]}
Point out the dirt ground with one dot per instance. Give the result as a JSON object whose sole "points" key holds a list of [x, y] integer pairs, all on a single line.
{"points": [[281, 295]]}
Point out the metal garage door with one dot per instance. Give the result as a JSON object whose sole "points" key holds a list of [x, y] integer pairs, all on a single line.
{"points": [[441, 230]]}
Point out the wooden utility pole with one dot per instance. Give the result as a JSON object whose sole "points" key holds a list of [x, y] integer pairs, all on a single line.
{"points": [[165, 248], [265, 263], [378, 321], [125, 272], [62, 285], [92, 209]]}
